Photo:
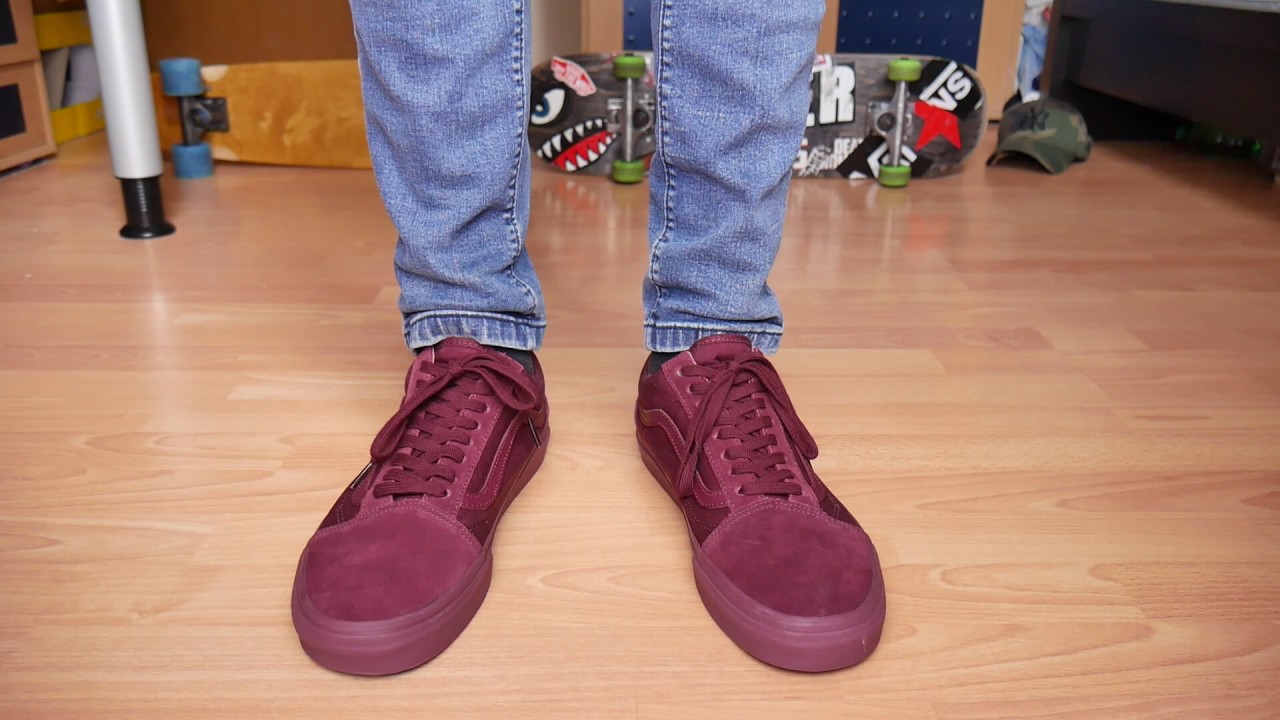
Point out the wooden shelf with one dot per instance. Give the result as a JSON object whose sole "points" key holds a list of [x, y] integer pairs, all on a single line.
{"points": [[25, 132]]}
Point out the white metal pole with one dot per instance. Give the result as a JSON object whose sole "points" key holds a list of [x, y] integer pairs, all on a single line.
{"points": [[120, 47]]}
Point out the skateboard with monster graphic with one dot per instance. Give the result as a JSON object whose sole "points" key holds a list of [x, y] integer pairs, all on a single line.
{"points": [[593, 114], [887, 117]]}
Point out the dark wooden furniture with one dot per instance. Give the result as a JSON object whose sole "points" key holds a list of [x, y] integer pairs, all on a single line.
{"points": [[1136, 68]]}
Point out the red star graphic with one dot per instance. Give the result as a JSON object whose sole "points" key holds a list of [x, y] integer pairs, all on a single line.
{"points": [[937, 122]]}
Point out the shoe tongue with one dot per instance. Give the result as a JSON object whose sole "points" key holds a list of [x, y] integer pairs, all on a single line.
{"points": [[453, 349], [456, 349], [725, 348], [720, 348]]}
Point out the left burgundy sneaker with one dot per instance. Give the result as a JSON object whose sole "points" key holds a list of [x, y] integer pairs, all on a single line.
{"points": [[780, 564], [402, 562]]}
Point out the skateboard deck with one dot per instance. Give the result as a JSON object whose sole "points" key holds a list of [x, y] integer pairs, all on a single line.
{"points": [[575, 124], [306, 113]]}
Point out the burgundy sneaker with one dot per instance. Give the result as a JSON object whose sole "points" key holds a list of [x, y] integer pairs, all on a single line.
{"points": [[402, 562], [781, 565]]}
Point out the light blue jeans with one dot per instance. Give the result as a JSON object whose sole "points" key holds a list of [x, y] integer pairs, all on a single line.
{"points": [[448, 82]]}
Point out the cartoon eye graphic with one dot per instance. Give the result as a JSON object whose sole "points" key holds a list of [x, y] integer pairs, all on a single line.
{"points": [[548, 107]]}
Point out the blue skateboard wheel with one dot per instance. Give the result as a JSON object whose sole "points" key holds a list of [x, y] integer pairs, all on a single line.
{"points": [[180, 77], [192, 161]]}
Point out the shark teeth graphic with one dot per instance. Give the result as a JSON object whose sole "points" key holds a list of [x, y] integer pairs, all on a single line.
{"points": [[577, 147]]}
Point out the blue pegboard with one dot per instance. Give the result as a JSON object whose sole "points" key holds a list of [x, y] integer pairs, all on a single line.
{"points": [[946, 28], [636, 33]]}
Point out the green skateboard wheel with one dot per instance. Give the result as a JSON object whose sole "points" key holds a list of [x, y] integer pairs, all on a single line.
{"points": [[180, 77], [904, 70], [628, 172], [628, 66], [895, 176]]}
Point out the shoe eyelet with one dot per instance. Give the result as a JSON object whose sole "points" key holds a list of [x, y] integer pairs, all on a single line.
{"points": [[446, 494]]}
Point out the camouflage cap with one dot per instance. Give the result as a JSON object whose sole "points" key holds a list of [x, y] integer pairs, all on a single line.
{"points": [[1050, 131]]}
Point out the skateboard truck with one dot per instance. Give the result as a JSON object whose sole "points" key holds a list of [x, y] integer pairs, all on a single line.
{"points": [[200, 114], [630, 116], [893, 122]]}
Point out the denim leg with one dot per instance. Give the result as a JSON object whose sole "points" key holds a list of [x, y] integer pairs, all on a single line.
{"points": [[446, 92], [733, 95]]}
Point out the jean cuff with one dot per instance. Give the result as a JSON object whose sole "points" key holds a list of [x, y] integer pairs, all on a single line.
{"points": [[678, 338], [423, 329]]}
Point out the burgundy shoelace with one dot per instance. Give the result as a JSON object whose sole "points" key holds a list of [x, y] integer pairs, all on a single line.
{"points": [[735, 392], [431, 426]]}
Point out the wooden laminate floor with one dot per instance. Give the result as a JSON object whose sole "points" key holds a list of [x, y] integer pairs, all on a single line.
{"points": [[1053, 401]]}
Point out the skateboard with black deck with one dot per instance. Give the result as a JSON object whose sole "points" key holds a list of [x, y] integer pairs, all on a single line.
{"points": [[887, 117]]}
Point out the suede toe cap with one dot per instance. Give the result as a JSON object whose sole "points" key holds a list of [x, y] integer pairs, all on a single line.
{"points": [[366, 571], [794, 559]]}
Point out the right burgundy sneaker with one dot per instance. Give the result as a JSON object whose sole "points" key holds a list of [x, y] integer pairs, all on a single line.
{"points": [[402, 562], [780, 564]]}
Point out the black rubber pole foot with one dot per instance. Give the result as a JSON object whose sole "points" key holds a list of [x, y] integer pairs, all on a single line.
{"points": [[143, 209]]}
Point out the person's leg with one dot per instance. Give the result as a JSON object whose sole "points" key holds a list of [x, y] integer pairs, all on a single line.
{"points": [[402, 561], [780, 563], [446, 88], [733, 94]]}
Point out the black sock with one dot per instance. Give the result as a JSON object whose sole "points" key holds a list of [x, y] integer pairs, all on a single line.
{"points": [[524, 357], [656, 360]]}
